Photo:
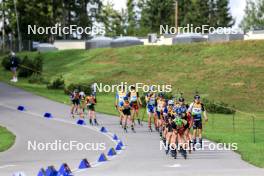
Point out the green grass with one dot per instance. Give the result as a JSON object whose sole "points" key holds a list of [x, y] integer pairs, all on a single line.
{"points": [[7, 139], [221, 128], [229, 72]]}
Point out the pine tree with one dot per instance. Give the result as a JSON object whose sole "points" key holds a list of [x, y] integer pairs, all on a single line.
{"points": [[155, 13], [132, 21], [113, 21], [224, 18]]}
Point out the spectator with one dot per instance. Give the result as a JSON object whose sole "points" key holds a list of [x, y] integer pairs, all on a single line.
{"points": [[13, 66]]}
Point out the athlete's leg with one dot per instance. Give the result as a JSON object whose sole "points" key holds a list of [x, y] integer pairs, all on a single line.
{"points": [[194, 137], [133, 116], [200, 137], [155, 120], [72, 109], [121, 116], [168, 141], [137, 116], [125, 122], [174, 144], [149, 119], [90, 116], [94, 116]]}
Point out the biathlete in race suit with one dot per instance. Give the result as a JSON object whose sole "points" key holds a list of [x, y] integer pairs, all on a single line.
{"points": [[82, 104], [135, 103], [181, 111], [167, 132], [126, 110], [120, 95], [179, 138], [90, 103], [151, 101], [196, 109], [75, 99], [161, 110]]}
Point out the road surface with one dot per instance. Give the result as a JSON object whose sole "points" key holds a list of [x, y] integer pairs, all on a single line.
{"points": [[142, 155]]}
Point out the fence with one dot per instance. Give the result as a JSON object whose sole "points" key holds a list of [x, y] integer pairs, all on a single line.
{"points": [[27, 45], [245, 127]]}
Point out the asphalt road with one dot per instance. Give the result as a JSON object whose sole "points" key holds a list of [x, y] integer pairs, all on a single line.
{"points": [[141, 156]]}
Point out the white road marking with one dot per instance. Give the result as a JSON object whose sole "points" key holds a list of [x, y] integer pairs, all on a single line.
{"points": [[108, 134], [174, 165], [5, 166]]}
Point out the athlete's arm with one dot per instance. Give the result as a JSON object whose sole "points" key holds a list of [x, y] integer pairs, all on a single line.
{"points": [[147, 98], [138, 99], [204, 113], [190, 108]]}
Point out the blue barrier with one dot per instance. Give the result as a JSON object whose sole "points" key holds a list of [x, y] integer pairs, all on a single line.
{"points": [[65, 170], [81, 122], [111, 152], [51, 171], [84, 164], [121, 144], [102, 158], [115, 137], [118, 147], [21, 108], [48, 115], [103, 129], [41, 172]]}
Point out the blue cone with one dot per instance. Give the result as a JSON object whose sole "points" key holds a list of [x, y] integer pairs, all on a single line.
{"points": [[121, 143], [111, 152], [48, 115], [21, 108], [102, 158], [41, 172], [65, 170], [103, 129], [51, 171], [84, 164], [118, 147], [81, 122], [115, 137]]}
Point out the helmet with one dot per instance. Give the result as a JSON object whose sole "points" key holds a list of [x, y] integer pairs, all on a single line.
{"points": [[161, 94], [12, 53], [151, 88], [197, 97], [132, 87], [170, 102], [181, 99], [76, 90], [178, 121], [125, 99], [82, 94]]}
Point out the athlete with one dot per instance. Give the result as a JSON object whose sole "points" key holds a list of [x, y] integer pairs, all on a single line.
{"points": [[120, 95], [126, 110], [135, 103], [75, 99], [196, 110], [178, 138], [181, 111], [90, 103], [82, 104], [14, 62], [151, 102], [168, 131], [161, 106]]}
